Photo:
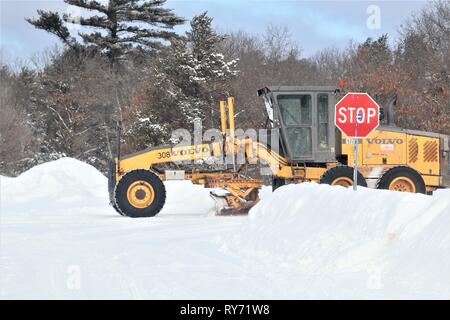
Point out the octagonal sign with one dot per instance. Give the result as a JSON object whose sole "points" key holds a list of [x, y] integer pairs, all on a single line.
{"points": [[357, 115]]}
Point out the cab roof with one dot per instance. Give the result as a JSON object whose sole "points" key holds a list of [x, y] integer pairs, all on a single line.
{"points": [[266, 90]]}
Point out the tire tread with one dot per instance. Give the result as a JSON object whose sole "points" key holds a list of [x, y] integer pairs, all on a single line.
{"points": [[121, 199], [341, 171], [394, 172]]}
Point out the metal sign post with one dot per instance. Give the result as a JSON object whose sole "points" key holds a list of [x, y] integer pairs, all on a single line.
{"points": [[355, 164], [355, 152]]}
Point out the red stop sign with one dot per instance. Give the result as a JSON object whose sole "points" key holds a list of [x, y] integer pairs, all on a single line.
{"points": [[357, 115]]}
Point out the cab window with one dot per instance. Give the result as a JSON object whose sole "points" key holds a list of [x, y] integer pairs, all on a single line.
{"points": [[296, 115], [295, 109], [322, 121]]}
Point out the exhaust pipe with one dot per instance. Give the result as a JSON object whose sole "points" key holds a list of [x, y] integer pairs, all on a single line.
{"points": [[391, 111]]}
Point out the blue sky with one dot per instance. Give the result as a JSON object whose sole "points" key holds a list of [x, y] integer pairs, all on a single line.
{"points": [[313, 24]]}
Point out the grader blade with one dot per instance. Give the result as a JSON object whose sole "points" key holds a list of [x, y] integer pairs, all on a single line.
{"points": [[221, 203], [229, 205]]}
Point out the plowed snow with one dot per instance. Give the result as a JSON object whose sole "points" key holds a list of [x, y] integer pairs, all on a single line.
{"points": [[60, 239]]}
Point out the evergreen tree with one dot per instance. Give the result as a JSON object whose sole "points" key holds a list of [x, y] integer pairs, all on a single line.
{"points": [[118, 26], [200, 70], [189, 77]]}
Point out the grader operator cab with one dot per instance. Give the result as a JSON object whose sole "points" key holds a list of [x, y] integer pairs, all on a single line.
{"points": [[308, 148], [305, 121]]}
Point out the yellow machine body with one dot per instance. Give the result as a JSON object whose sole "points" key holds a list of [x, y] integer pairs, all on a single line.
{"points": [[385, 148]]}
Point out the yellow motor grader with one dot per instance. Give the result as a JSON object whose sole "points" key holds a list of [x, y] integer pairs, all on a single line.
{"points": [[301, 144]]}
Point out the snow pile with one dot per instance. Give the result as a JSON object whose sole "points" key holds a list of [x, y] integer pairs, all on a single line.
{"points": [[65, 184], [60, 239], [73, 187], [337, 243]]}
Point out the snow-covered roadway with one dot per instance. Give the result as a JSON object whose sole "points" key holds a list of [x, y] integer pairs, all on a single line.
{"points": [[59, 239]]}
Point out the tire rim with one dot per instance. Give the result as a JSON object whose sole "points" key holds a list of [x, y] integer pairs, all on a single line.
{"points": [[402, 184], [140, 194], [342, 181]]}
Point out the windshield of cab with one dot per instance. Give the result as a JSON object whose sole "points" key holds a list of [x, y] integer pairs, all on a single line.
{"points": [[295, 112]]}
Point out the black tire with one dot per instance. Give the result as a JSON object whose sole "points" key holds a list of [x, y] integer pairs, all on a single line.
{"points": [[114, 205], [277, 182], [121, 199], [396, 172], [112, 185], [330, 176]]}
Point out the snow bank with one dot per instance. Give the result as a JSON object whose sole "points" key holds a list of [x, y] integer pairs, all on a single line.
{"points": [[70, 186], [303, 241], [339, 243], [66, 185]]}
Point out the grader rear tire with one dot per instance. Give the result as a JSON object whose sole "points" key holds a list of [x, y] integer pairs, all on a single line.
{"points": [[341, 176], [140, 194], [403, 179]]}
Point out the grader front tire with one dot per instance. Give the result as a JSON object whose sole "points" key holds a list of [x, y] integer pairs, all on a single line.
{"points": [[140, 194]]}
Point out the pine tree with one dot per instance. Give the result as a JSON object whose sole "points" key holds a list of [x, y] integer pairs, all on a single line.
{"points": [[119, 26], [200, 70], [189, 77], [203, 44]]}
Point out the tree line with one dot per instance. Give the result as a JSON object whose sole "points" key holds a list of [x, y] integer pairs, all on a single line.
{"points": [[127, 66]]}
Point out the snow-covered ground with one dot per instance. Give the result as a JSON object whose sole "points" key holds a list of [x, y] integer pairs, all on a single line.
{"points": [[60, 239]]}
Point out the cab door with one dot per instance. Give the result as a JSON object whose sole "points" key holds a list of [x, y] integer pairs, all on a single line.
{"points": [[296, 114]]}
